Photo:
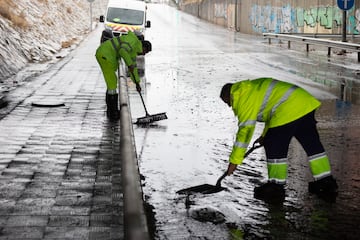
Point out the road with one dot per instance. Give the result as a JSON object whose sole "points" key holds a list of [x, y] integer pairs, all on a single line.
{"points": [[190, 61]]}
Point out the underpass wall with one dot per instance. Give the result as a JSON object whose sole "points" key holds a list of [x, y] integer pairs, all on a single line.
{"points": [[278, 16]]}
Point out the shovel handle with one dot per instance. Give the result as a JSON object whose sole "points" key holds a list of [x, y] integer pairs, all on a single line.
{"points": [[218, 182], [256, 145]]}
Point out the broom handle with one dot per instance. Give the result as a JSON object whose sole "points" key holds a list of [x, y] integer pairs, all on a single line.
{"points": [[142, 100]]}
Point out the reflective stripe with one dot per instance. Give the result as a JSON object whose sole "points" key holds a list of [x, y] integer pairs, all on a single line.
{"points": [[278, 181], [277, 160], [247, 123], [241, 144], [322, 175], [287, 94], [317, 156], [283, 99], [277, 171], [319, 165], [243, 124], [265, 100], [111, 91]]}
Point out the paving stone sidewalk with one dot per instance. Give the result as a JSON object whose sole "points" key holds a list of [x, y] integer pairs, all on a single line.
{"points": [[60, 168]]}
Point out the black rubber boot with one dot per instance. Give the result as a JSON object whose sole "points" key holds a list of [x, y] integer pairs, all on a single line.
{"points": [[326, 188], [112, 107], [270, 192]]}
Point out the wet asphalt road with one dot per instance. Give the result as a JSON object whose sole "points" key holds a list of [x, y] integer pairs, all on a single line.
{"points": [[190, 61]]}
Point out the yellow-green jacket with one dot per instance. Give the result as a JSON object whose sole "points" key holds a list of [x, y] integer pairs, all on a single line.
{"points": [[267, 100], [126, 47]]}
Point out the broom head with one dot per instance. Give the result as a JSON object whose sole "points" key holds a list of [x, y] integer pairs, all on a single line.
{"points": [[151, 118]]}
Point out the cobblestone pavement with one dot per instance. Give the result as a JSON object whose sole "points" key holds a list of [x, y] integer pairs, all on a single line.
{"points": [[60, 172]]}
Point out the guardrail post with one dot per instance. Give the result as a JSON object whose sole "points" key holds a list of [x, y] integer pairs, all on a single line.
{"points": [[307, 47], [288, 44], [329, 51]]}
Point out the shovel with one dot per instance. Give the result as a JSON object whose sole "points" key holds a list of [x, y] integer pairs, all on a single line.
{"points": [[208, 188]]}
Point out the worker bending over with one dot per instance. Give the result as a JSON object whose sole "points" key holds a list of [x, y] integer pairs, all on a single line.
{"points": [[287, 111], [108, 55]]}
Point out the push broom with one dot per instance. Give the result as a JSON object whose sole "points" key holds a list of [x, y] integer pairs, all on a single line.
{"points": [[149, 118]]}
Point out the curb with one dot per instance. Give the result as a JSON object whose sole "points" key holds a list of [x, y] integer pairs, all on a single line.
{"points": [[135, 221]]}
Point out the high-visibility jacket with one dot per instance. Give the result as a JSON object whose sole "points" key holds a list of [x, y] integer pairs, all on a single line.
{"points": [[267, 100], [126, 47]]}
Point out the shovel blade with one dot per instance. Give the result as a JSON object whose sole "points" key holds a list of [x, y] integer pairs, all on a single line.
{"points": [[203, 188]]}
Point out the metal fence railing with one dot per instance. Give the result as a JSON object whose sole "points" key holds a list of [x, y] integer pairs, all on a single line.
{"points": [[354, 47]]}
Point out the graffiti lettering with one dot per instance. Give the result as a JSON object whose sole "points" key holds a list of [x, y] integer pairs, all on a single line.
{"points": [[287, 19], [220, 10]]}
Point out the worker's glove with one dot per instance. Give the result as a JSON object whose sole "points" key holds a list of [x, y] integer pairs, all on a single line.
{"points": [[138, 88], [231, 168]]}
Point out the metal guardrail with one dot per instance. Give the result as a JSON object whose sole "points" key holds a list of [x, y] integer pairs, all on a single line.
{"points": [[353, 37], [135, 223], [314, 41]]}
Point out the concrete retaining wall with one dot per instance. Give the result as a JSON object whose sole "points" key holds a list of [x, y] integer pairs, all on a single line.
{"points": [[278, 16]]}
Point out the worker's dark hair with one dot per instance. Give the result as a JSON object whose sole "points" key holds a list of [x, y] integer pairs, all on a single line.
{"points": [[225, 91], [147, 45]]}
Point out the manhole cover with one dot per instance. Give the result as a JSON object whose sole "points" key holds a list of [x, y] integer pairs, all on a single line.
{"points": [[49, 103]]}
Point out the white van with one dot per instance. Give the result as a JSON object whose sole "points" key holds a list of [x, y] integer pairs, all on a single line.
{"points": [[122, 16]]}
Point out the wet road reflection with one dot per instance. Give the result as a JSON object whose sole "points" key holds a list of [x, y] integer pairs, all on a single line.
{"points": [[190, 61]]}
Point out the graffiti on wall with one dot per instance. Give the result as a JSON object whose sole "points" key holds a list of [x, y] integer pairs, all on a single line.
{"points": [[287, 19], [324, 16], [220, 10], [270, 19], [355, 21]]}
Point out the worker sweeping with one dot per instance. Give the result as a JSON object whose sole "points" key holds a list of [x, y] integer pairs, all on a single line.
{"points": [[287, 111], [108, 55]]}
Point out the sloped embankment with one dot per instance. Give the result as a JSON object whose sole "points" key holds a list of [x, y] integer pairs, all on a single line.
{"points": [[35, 30]]}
